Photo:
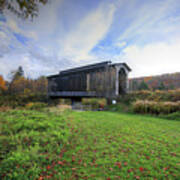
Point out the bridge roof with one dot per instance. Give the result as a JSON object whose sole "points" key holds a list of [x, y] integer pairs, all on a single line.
{"points": [[89, 68]]}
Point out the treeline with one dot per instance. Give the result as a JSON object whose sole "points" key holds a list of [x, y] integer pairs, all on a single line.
{"points": [[21, 90], [161, 82]]}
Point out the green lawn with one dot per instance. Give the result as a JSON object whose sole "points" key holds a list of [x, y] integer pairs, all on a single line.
{"points": [[88, 145]]}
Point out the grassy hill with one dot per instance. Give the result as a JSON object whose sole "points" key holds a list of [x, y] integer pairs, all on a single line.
{"points": [[165, 81], [87, 145]]}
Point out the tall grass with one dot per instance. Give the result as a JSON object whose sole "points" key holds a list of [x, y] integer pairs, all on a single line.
{"points": [[153, 107], [158, 95]]}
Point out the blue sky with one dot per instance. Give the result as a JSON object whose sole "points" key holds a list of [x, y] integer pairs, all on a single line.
{"points": [[144, 34]]}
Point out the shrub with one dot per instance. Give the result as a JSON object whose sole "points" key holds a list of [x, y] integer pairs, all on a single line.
{"points": [[120, 107], [170, 95], [14, 101], [4, 108], [126, 99], [95, 103], [153, 107], [63, 107], [63, 101], [35, 106], [172, 116]]}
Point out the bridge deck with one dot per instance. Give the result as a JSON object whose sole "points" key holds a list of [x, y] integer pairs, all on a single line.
{"points": [[74, 94]]}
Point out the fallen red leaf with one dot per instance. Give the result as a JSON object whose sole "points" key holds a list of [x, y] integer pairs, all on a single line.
{"points": [[96, 165], [147, 157], [73, 158], [79, 161], [60, 163], [40, 178], [130, 170], [85, 177], [118, 164], [48, 167], [64, 161], [173, 154], [141, 169]]}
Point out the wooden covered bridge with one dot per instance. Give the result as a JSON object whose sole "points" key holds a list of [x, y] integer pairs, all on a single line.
{"points": [[96, 80]]}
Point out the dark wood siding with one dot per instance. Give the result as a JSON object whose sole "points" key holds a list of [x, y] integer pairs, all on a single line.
{"points": [[100, 80], [103, 81], [72, 82]]}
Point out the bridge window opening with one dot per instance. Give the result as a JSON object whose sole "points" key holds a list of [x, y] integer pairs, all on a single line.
{"points": [[122, 81]]}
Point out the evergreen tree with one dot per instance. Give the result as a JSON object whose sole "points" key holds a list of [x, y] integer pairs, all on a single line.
{"points": [[143, 86], [18, 73], [161, 86], [171, 86], [15, 76]]}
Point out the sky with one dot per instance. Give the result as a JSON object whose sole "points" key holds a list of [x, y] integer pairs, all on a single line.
{"points": [[71, 33]]}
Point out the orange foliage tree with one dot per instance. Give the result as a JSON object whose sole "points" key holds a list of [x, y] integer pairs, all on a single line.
{"points": [[18, 85], [2, 84], [21, 85]]}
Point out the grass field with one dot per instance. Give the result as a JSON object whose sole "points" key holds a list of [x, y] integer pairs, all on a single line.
{"points": [[87, 145]]}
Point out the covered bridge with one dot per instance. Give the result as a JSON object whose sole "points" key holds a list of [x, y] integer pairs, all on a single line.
{"points": [[96, 80]]}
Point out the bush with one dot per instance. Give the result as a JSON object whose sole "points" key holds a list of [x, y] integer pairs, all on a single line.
{"points": [[63, 101], [126, 99], [120, 107], [170, 95], [153, 107], [14, 101], [172, 116], [4, 108], [95, 103], [35, 106]]}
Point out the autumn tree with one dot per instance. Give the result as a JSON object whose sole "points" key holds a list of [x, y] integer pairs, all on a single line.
{"points": [[22, 8], [2, 84], [17, 76], [22, 85], [41, 84], [19, 85]]}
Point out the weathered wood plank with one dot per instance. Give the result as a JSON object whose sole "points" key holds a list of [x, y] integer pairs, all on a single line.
{"points": [[101, 80]]}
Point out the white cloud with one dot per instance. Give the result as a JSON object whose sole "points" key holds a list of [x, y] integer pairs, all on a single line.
{"points": [[153, 59], [4, 45], [13, 25], [152, 19], [120, 44], [43, 25], [46, 22], [147, 32], [90, 30], [33, 66]]}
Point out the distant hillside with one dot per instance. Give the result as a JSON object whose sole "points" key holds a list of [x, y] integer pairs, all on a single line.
{"points": [[162, 82]]}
